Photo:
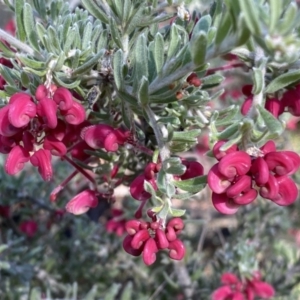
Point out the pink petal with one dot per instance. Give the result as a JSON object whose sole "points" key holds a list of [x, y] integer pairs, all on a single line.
{"points": [[16, 160], [222, 293], [47, 109], [137, 190], [128, 248], [246, 197], [161, 239], [260, 171], [242, 184], [42, 160], [6, 128], [21, 110], [269, 146], [140, 238], [279, 162], [149, 252], [82, 202], [41, 92], [223, 204], [235, 163], [95, 135], [274, 106], [218, 153], [245, 108], [263, 289], [193, 169], [177, 250], [75, 115], [287, 193], [229, 279], [111, 142], [217, 182], [55, 146], [63, 98], [270, 189]]}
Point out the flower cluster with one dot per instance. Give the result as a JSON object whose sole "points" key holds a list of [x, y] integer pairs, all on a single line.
{"points": [[234, 289], [34, 129], [237, 177], [290, 101], [117, 223], [147, 238]]}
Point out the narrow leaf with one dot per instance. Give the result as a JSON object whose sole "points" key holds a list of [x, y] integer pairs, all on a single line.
{"points": [[282, 81]]}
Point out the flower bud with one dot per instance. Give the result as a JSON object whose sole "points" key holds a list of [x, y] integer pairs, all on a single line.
{"points": [[47, 109], [217, 182], [140, 238], [42, 160], [82, 202], [246, 106], [149, 252], [21, 110], [260, 171], [177, 224], [6, 128], [177, 250], [287, 191], [218, 154], [16, 159], [223, 204], [41, 92], [63, 98], [74, 115], [128, 248], [242, 184], [132, 226], [235, 163], [55, 146], [193, 169], [274, 106], [137, 190], [279, 163], [246, 197], [270, 189], [95, 135], [161, 239]]}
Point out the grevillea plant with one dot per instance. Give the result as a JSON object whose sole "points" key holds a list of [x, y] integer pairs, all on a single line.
{"points": [[165, 101]]}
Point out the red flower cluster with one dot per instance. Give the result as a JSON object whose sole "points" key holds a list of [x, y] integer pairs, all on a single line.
{"points": [[237, 176], [34, 129], [29, 228], [194, 80], [117, 223], [148, 238], [290, 102], [234, 289]]}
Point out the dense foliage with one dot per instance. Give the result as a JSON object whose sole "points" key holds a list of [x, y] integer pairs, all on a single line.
{"points": [[150, 150]]}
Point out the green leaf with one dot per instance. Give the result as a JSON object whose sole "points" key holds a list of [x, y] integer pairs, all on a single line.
{"points": [[141, 58], [134, 20], [87, 35], [198, 48], [174, 43], [283, 81], [128, 98], [89, 64], [186, 136], [95, 10], [8, 53], [66, 82], [223, 29], [143, 93], [251, 13], [115, 34], [272, 123], [29, 26], [174, 166], [289, 20], [275, 12], [21, 34], [149, 188], [228, 132], [202, 25], [118, 59], [161, 181], [127, 292], [176, 212], [211, 80], [193, 185], [258, 80], [53, 35]]}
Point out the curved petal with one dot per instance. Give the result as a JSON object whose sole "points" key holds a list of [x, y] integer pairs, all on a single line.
{"points": [[246, 197], [235, 163], [270, 189], [63, 98], [222, 293], [279, 162], [75, 115], [42, 160], [16, 160], [193, 169], [82, 202], [218, 153], [47, 109], [128, 248], [242, 184], [217, 182], [21, 110], [177, 250], [223, 204], [6, 128], [269, 146], [95, 135], [260, 171], [55, 146], [229, 279], [149, 252], [287, 192], [263, 289]]}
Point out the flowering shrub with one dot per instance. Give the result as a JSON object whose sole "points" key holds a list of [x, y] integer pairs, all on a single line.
{"points": [[164, 102]]}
